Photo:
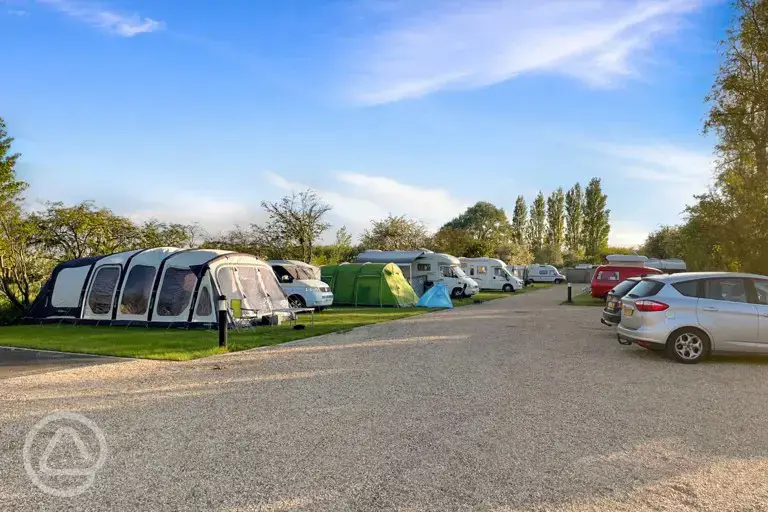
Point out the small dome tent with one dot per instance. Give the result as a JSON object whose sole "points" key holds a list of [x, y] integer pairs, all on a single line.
{"points": [[368, 284], [159, 286]]}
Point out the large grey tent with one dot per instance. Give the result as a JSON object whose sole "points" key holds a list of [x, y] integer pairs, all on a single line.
{"points": [[160, 286]]}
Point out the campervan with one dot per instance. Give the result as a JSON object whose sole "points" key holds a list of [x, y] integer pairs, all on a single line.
{"points": [[670, 266], [299, 282], [424, 268], [491, 274], [544, 274]]}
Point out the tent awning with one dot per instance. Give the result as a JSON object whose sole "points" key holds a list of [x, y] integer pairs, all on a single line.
{"points": [[397, 257]]}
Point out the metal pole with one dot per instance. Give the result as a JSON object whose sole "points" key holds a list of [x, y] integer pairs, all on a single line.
{"points": [[570, 297], [223, 320]]}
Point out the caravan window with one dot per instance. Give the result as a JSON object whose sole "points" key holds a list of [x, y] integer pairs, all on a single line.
{"points": [[423, 267], [482, 269], [472, 270], [103, 290], [137, 289], [176, 292]]}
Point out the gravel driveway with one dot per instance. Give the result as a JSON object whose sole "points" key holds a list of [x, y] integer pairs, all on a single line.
{"points": [[516, 404]]}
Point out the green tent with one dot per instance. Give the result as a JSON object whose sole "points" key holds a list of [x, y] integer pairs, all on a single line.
{"points": [[368, 284]]}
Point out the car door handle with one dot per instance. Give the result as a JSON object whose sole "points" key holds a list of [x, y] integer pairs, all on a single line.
{"points": [[709, 308]]}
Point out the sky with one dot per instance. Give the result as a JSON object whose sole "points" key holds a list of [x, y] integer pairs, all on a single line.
{"points": [[195, 111]]}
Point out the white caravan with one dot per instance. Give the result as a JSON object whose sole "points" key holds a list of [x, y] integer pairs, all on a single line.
{"points": [[544, 274], [424, 268], [491, 274], [298, 281], [669, 266]]}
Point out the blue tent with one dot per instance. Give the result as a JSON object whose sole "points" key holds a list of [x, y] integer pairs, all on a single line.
{"points": [[436, 297]]}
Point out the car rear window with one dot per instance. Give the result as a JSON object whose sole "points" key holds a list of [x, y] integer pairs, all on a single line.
{"points": [[646, 288], [624, 287], [688, 288], [607, 275]]}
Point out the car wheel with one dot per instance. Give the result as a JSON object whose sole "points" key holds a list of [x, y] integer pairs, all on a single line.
{"points": [[507, 288], [297, 301], [688, 345], [457, 293], [558, 281]]}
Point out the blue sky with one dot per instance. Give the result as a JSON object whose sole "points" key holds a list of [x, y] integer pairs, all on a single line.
{"points": [[189, 112]]}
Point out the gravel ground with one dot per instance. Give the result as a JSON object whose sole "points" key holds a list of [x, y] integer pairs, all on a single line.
{"points": [[516, 404]]}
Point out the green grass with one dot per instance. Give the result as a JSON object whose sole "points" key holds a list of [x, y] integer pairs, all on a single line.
{"points": [[182, 345], [584, 299]]}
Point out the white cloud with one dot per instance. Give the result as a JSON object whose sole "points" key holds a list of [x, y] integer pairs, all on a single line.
{"points": [[125, 25], [213, 214], [665, 164], [466, 44], [357, 199], [668, 175], [628, 233]]}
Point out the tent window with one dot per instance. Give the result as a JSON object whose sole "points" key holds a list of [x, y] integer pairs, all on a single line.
{"points": [[102, 290], [204, 306], [253, 292], [66, 290], [137, 289], [178, 285], [272, 287], [227, 283]]}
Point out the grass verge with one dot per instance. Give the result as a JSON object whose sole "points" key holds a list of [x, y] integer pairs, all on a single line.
{"points": [[182, 345], [584, 299]]}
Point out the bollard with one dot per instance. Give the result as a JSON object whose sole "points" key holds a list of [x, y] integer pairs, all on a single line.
{"points": [[570, 296], [223, 320]]}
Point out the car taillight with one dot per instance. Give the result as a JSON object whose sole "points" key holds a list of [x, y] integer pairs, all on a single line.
{"points": [[650, 305]]}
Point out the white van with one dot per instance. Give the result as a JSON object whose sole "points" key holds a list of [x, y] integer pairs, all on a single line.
{"points": [[544, 274], [424, 268], [491, 274], [298, 281]]}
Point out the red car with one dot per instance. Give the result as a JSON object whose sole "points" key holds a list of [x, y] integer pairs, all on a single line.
{"points": [[608, 276]]}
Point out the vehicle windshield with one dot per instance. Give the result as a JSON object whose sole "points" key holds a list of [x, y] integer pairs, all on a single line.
{"points": [[294, 271], [508, 273], [457, 271], [451, 271]]}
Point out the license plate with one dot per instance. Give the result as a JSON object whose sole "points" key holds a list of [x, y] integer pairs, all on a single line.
{"points": [[628, 312]]}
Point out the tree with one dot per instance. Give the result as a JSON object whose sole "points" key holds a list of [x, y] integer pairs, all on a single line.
{"points": [[395, 233], [295, 223], [237, 239], [23, 265], [487, 226], [574, 216], [10, 187], [154, 233], [596, 221], [70, 232], [556, 220], [664, 243], [520, 220], [550, 254], [733, 212], [455, 241], [537, 224]]}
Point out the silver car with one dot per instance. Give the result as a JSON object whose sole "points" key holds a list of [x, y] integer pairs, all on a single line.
{"points": [[691, 315]]}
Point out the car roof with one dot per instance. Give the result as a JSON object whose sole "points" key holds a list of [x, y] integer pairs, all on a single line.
{"points": [[689, 276]]}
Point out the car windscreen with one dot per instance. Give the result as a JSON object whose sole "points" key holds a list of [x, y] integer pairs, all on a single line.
{"points": [[623, 288], [645, 288], [457, 270]]}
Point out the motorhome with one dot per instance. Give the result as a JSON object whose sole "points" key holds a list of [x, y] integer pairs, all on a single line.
{"points": [[491, 274], [669, 266], [424, 268], [544, 274], [299, 282]]}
